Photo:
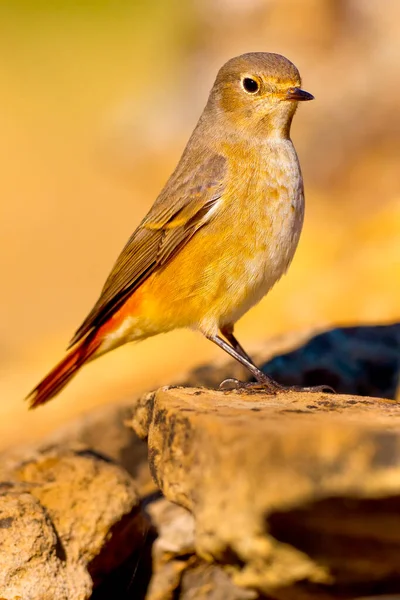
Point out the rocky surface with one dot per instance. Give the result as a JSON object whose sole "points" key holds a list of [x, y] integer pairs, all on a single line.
{"points": [[32, 564], [295, 496], [353, 360], [297, 493], [177, 571], [66, 520], [104, 432]]}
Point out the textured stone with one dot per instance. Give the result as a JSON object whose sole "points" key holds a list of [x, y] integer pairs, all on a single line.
{"points": [[177, 571], [292, 496], [173, 551], [210, 582], [33, 565], [353, 360], [102, 430], [295, 492], [69, 518]]}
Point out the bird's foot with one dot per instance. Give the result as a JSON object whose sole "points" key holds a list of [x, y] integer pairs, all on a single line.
{"points": [[264, 384], [270, 386]]}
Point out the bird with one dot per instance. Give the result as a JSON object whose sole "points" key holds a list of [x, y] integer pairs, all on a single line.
{"points": [[221, 233]]}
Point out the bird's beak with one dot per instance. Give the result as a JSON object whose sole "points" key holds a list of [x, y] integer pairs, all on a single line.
{"points": [[295, 93]]}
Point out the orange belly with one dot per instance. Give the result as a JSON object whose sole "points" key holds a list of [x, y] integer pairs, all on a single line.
{"points": [[213, 280]]}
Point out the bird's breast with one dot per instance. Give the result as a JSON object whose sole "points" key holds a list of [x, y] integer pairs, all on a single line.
{"points": [[266, 215]]}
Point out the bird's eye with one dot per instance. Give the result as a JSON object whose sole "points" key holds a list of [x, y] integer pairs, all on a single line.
{"points": [[251, 86]]}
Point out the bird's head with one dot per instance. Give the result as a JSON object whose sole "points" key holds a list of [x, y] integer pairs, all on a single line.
{"points": [[258, 92]]}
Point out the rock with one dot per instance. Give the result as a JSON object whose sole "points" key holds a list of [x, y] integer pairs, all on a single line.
{"points": [[297, 494], [353, 360], [177, 571], [210, 582], [286, 496], [70, 518], [33, 566], [103, 430], [175, 527], [173, 551]]}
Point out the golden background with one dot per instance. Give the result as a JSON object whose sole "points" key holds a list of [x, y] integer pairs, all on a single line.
{"points": [[97, 101]]}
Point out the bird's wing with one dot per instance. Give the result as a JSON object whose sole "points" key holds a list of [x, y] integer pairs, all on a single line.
{"points": [[182, 208]]}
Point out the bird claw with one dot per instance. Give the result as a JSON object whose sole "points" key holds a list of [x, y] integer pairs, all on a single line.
{"points": [[231, 384], [270, 386]]}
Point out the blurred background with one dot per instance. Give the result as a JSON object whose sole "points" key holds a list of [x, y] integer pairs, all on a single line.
{"points": [[97, 101]]}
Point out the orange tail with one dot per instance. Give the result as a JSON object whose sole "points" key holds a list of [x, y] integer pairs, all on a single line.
{"points": [[63, 372]]}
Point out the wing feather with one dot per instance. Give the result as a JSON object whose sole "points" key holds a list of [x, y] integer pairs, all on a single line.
{"points": [[182, 208]]}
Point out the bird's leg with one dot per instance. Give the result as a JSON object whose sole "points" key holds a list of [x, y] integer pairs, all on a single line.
{"points": [[267, 383], [227, 332], [263, 381]]}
